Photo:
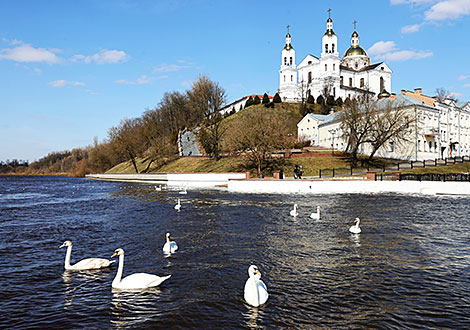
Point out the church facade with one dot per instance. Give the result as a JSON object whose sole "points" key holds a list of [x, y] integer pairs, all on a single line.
{"points": [[329, 74]]}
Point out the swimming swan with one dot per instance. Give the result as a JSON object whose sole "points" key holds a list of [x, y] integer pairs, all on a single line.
{"points": [[316, 215], [355, 229], [294, 211], [85, 264], [134, 281], [170, 246], [178, 206], [256, 292]]}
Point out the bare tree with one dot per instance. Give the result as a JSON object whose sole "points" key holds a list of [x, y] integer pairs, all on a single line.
{"points": [[391, 122], [443, 94], [207, 98], [374, 123], [125, 139], [303, 93], [259, 134]]}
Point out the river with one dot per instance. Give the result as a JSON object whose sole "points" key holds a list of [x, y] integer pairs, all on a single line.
{"points": [[408, 269]]}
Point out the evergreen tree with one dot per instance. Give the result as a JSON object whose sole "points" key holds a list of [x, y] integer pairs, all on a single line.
{"points": [[256, 100], [310, 99], [265, 99], [330, 101], [339, 102], [320, 100], [277, 98], [249, 102]]}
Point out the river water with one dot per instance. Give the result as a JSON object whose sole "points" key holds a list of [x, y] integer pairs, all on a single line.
{"points": [[408, 269]]}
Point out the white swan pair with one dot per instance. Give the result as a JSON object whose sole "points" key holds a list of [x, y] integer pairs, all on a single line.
{"points": [[314, 215], [256, 292]]}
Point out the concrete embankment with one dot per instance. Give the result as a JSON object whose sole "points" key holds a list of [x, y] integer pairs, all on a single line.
{"points": [[268, 186], [195, 180], [237, 183]]}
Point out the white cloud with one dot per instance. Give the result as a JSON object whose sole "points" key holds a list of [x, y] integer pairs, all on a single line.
{"points": [[410, 28], [411, 2], [404, 55], [382, 47], [26, 53], [463, 77], [105, 56], [466, 85], [452, 94], [448, 9], [388, 51], [62, 83], [142, 80], [171, 67]]}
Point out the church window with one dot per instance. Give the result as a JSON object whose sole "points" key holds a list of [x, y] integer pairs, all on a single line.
{"points": [[356, 65], [391, 146], [309, 62], [284, 78], [309, 77], [419, 145], [291, 78], [333, 48], [334, 67], [326, 48], [381, 84], [430, 145], [326, 67], [285, 60], [362, 82], [334, 91], [291, 60], [341, 81], [350, 82]]}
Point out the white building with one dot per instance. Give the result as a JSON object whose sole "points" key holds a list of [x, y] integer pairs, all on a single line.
{"points": [[329, 74], [443, 129]]}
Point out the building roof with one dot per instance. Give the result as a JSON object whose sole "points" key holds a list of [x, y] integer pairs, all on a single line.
{"points": [[355, 50]]}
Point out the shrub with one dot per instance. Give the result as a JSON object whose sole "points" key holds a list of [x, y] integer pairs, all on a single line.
{"points": [[256, 100], [265, 99], [310, 99], [277, 98]]}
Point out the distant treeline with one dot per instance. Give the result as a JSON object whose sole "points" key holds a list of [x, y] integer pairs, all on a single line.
{"points": [[152, 136]]}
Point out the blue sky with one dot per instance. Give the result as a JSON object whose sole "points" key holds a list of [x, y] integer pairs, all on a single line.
{"points": [[70, 70]]}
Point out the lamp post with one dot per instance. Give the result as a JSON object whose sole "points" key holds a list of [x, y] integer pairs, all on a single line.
{"points": [[332, 132]]}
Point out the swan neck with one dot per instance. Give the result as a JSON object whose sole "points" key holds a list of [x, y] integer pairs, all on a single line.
{"points": [[67, 256], [117, 278]]}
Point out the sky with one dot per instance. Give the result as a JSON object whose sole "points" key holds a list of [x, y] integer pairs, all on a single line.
{"points": [[71, 70]]}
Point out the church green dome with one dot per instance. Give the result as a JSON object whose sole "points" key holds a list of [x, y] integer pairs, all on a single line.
{"points": [[352, 51]]}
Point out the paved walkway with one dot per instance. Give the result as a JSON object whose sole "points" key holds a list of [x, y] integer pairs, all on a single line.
{"points": [[189, 144]]}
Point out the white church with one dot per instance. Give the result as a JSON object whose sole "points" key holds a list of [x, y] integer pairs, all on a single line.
{"points": [[329, 74]]}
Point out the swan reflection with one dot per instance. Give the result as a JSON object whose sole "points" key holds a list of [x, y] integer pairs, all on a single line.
{"points": [[76, 281], [253, 316], [131, 309], [356, 240]]}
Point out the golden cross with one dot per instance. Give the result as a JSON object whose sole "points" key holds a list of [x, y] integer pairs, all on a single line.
{"points": [[355, 25], [329, 12], [288, 26]]}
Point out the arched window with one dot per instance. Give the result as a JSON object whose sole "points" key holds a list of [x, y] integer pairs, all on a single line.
{"points": [[362, 82], [326, 48], [333, 67], [284, 78], [334, 91], [333, 48], [381, 84], [291, 78], [309, 77], [326, 67], [341, 81], [285, 60], [291, 60], [350, 82]]}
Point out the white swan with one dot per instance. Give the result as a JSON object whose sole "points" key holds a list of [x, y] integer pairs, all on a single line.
{"points": [[85, 264], [158, 188], [256, 292], [355, 229], [316, 215], [178, 206], [183, 192], [170, 246], [135, 281], [294, 211]]}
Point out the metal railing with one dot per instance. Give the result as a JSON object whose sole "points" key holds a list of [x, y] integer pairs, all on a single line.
{"points": [[402, 165]]}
